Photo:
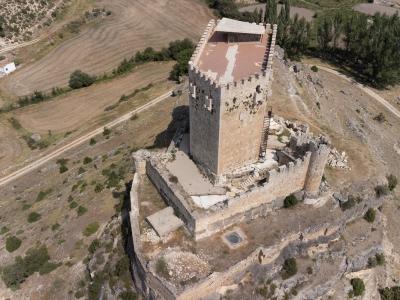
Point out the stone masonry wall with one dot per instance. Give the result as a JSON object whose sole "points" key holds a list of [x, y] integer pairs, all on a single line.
{"points": [[173, 197], [258, 201]]}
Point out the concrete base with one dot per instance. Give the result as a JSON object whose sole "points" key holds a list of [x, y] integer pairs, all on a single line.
{"points": [[164, 221]]}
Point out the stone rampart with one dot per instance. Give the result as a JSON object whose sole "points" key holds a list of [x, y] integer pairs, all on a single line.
{"points": [[286, 180]]}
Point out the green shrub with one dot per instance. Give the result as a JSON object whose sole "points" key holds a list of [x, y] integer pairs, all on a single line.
{"points": [[35, 259], [43, 194], [4, 229], [92, 142], [12, 243], [380, 259], [94, 245], [55, 226], [79, 79], [128, 295], [290, 201], [98, 188], [90, 229], [162, 267], [73, 204], [314, 68], [370, 215], [381, 190], [289, 268], [392, 293], [348, 204], [87, 160], [81, 210], [63, 169], [33, 217], [358, 286], [81, 170], [47, 267], [392, 182], [106, 131]]}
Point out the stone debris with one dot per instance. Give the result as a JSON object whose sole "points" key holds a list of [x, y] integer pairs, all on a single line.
{"points": [[185, 266], [150, 236], [338, 160]]}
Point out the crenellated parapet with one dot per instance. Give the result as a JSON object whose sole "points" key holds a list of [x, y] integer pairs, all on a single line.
{"points": [[202, 43]]}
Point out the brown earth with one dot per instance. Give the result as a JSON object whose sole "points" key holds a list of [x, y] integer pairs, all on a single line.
{"points": [[133, 26], [69, 116], [79, 107]]}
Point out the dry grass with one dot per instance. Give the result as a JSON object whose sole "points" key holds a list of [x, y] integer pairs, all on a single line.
{"points": [[133, 26]]}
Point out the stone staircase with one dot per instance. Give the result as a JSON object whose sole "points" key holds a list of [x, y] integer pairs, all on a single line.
{"points": [[264, 134]]}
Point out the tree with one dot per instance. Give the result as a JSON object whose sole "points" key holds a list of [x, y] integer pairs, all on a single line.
{"points": [[271, 14], [324, 34], [79, 79]]}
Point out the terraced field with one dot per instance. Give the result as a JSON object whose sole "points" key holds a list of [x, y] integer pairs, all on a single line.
{"points": [[133, 25]]}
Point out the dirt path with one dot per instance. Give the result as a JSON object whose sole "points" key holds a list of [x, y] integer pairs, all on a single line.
{"points": [[368, 91], [32, 166]]}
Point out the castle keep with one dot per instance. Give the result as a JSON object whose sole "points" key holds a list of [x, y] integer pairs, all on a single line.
{"points": [[230, 162], [229, 76]]}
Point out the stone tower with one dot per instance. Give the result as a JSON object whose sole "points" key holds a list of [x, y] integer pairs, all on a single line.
{"points": [[229, 80], [318, 159]]}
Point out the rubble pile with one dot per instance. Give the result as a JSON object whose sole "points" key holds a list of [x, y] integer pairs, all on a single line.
{"points": [[338, 160]]}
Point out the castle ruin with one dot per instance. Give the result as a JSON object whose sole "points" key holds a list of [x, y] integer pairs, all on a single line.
{"points": [[233, 161]]}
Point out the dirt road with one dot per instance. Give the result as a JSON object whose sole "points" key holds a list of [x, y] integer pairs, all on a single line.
{"points": [[368, 91], [32, 166]]}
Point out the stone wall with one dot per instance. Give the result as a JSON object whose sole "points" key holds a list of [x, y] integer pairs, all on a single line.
{"points": [[258, 201], [158, 175]]}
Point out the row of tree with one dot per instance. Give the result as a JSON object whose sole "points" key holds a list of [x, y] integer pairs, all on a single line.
{"points": [[370, 45]]}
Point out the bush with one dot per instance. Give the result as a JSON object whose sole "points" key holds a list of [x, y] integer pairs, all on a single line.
{"points": [[289, 268], [392, 182], [79, 79], [33, 217], [73, 204], [370, 215], [92, 142], [380, 259], [348, 204], [358, 286], [47, 267], [162, 267], [81, 210], [128, 295], [381, 190], [392, 293], [106, 131], [43, 194], [173, 179], [63, 169], [55, 226], [87, 160], [36, 259], [12, 243], [98, 188], [94, 245], [90, 229], [314, 68], [290, 201]]}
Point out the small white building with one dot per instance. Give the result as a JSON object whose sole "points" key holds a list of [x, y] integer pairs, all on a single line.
{"points": [[7, 69]]}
